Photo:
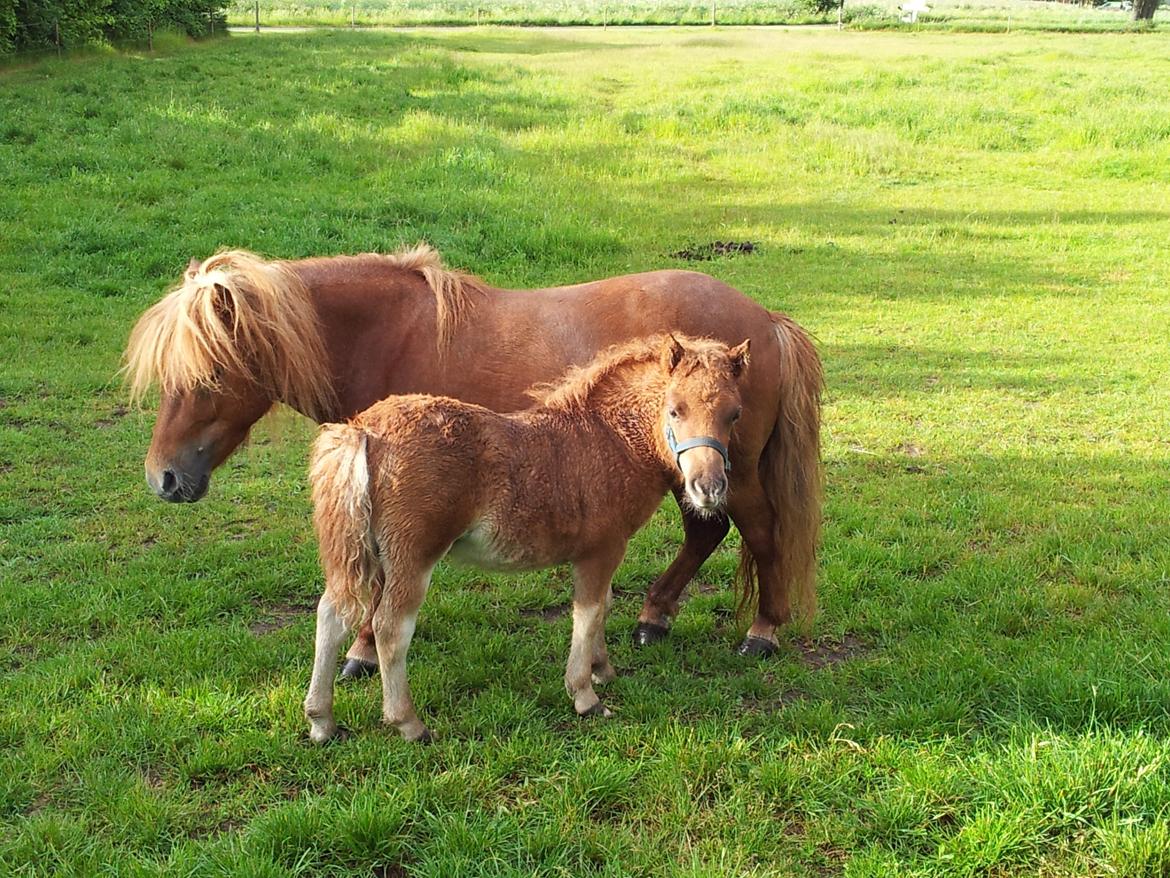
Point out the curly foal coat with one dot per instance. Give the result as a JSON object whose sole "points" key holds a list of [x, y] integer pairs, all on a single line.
{"points": [[415, 478]]}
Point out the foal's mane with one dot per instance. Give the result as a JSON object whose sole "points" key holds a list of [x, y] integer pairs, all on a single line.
{"points": [[239, 313], [576, 386]]}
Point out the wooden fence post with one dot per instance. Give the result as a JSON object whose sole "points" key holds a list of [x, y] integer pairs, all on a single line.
{"points": [[57, 35], [257, 16], [713, 2]]}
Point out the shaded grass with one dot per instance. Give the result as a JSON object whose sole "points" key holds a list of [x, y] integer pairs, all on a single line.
{"points": [[968, 228]]}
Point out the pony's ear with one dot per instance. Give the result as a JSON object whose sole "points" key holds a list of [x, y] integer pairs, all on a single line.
{"points": [[740, 357], [192, 268], [672, 354], [225, 305]]}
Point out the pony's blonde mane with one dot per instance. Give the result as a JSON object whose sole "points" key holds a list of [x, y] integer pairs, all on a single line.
{"points": [[454, 290], [239, 313], [575, 387]]}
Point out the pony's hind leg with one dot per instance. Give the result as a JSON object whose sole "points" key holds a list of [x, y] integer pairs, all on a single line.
{"points": [[591, 595], [393, 625], [702, 535], [361, 660], [319, 701]]}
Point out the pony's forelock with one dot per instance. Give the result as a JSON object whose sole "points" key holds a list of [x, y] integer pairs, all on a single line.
{"points": [[239, 314]]}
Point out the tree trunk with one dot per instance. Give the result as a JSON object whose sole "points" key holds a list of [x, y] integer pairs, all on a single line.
{"points": [[1143, 10]]}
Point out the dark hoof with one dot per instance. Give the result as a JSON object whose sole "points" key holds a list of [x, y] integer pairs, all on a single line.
{"points": [[647, 633], [425, 738], [756, 647], [356, 669]]}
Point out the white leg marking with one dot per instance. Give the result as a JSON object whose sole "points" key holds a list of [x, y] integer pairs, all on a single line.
{"points": [[319, 701], [579, 672], [393, 638]]}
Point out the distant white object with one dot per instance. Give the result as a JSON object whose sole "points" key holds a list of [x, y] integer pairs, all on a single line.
{"points": [[911, 10]]}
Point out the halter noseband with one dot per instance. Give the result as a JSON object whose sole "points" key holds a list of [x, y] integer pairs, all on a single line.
{"points": [[696, 442]]}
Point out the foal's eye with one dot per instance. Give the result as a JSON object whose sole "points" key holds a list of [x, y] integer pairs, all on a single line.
{"points": [[672, 412], [735, 415]]}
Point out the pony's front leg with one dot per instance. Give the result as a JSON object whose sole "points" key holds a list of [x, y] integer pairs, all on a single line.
{"points": [[591, 595], [319, 701], [394, 623]]}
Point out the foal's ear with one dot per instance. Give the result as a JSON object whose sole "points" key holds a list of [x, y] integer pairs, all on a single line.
{"points": [[740, 357], [672, 355], [192, 268]]}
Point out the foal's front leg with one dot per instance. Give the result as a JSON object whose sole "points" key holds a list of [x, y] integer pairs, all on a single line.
{"points": [[319, 702], [587, 656], [603, 671]]}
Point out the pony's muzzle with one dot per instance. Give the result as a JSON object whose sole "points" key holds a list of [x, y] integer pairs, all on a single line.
{"points": [[177, 487]]}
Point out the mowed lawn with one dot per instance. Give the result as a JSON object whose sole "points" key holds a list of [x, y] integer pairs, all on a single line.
{"points": [[974, 228]]}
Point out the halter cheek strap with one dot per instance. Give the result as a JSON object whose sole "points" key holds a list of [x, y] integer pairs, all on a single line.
{"points": [[696, 442]]}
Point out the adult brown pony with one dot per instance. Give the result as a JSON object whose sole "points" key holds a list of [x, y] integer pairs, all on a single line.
{"points": [[329, 337], [413, 478]]}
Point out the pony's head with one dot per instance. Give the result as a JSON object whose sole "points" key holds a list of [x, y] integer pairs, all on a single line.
{"points": [[237, 335], [702, 404]]}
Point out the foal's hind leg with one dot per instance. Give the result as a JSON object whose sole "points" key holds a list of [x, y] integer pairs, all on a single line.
{"points": [[362, 658], [702, 535], [319, 701], [591, 590], [393, 624]]}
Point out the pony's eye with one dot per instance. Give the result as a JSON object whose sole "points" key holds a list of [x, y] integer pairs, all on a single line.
{"points": [[735, 417], [672, 412]]}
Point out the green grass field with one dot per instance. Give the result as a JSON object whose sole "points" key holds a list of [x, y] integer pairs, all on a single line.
{"points": [[974, 228]]}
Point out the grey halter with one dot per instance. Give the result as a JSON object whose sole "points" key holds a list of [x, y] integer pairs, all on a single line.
{"points": [[697, 442]]}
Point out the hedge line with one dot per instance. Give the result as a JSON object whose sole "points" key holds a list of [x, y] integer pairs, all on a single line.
{"points": [[42, 24]]}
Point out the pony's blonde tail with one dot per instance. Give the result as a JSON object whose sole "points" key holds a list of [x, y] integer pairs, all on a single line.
{"points": [[340, 478], [790, 471]]}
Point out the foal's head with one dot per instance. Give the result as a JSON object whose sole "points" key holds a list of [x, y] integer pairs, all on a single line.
{"points": [[701, 407]]}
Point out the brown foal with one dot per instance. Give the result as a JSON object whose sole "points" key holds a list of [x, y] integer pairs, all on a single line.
{"points": [[415, 478]]}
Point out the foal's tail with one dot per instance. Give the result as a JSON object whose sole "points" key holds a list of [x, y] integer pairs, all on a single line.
{"points": [[340, 479], [790, 471]]}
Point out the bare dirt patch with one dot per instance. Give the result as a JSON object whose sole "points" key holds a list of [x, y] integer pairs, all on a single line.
{"points": [[548, 614], [277, 616], [119, 412], [703, 252], [825, 652]]}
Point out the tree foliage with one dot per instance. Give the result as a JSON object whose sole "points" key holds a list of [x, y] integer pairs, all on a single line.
{"points": [[41, 24]]}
